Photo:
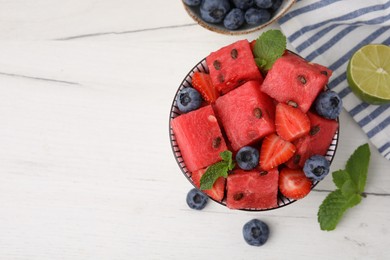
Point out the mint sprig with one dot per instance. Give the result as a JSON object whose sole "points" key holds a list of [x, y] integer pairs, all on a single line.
{"points": [[219, 169], [268, 48], [350, 183]]}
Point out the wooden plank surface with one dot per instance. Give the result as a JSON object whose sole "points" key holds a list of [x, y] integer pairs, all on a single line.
{"points": [[86, 166]]}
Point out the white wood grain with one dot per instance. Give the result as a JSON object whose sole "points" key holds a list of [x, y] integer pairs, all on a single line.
{"points": [[87, 171]]}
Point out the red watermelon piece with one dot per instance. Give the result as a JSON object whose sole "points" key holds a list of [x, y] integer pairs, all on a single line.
{"points": [[316, 142], [246, 114], [294, 80], [252, 189], [218, 190], [232, 66], [199, 138]]}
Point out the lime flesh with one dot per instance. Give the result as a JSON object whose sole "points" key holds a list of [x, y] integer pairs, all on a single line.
{"points": [[368, 74]]}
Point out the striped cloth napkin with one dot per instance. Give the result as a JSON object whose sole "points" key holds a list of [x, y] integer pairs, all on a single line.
{"points": [[329, 32]]}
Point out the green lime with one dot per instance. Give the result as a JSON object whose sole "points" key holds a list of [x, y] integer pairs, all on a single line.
{"points": [[368, 74]]}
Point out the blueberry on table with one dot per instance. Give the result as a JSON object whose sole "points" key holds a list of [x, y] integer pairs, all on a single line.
{"points": [[234, 19], [243, 4], [316, 167], [255, 232], [247, 158], [196, 199], [328, 104], [213, 11], [188, 99], [264, 3], [192, 2], [255, 16]]}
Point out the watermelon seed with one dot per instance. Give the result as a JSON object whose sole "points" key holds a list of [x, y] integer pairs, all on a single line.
{"points": [[217, 65], [238, 196], [292, 103], [324, 72], [221, 78], [257, 112], [217, 142], [234, 54], [296, 158], [314, 130], [263, 173], [302, 79]]}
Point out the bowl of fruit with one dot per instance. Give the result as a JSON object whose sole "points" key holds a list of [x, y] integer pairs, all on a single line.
{"points": [[236, 16], [254, 127]]}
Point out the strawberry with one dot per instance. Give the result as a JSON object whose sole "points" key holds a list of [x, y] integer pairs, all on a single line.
{"points": [[202, 82], [291, 123], [293, 183], [217, 192], [252, 44], [275, 151]]}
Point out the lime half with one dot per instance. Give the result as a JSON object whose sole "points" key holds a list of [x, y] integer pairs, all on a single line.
{"points": [[368, 74]]}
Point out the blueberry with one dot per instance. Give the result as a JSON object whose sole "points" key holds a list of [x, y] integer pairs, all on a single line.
{"points": [[255, 16], [255, 232], [264, 3], [276, 5], [316, 167], [188, 99], [213, 11], [192, 2], [243, 4], [196, 199], [234, 19], [328, 104], [247, 158]]}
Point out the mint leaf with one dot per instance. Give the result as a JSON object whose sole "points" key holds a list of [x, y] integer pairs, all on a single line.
{"points": [[334, 207], [219, 169], [227, 156], [213, 172], [260, 62], [269, 47], [349, 188], [350, 183], [340, 177], [357, 166]]}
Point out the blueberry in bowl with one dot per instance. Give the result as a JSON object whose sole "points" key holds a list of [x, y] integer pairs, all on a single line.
{"points": [[236, 16]]}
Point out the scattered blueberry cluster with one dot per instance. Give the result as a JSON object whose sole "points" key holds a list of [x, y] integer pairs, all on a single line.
{"points": [[233, 14], [255, 231]]}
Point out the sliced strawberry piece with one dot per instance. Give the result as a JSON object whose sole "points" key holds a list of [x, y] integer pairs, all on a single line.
{"points": [[252, 44], [291, 123], [202, 82], [293, 183], [217, 192], [275, 151]]}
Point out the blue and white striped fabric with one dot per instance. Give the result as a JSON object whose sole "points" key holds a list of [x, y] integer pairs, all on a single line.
{"points": [[329, 32]]}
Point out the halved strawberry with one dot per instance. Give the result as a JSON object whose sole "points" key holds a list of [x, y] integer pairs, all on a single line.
{"points": [[217, 192], [202, 82], [275, 151], [291, 123], [252, 44], [293, 183]]}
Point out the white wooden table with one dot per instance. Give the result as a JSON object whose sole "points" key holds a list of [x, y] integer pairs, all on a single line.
{"points": [[86, 166]]}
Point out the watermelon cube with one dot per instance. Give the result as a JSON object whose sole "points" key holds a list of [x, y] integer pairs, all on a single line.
{"points": [[232, 66], [317, 141], [246, 114], [217, 192], [252, 189], [295, 81], [199, 138]]}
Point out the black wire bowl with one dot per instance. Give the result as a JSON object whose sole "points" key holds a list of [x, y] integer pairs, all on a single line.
{"points": [[186, 83]]}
